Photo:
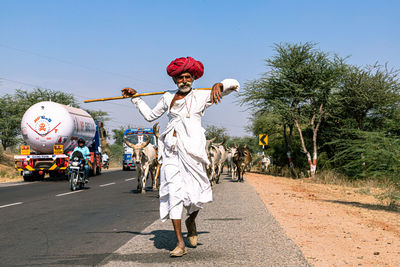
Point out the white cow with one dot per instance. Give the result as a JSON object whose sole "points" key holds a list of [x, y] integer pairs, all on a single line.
{"points": [[229, 158], [222, 160], [214, 156], [265, 162], [145, 158]]}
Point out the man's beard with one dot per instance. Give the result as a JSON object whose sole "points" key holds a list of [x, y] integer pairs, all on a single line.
{"points": [[185, 87]]}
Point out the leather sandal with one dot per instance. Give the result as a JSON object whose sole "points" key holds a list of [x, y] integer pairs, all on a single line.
{"points": [[178, 252], [192, 232]]}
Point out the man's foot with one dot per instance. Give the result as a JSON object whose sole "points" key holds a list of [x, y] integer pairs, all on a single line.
{"points": [[192, 232], [178, 252]]}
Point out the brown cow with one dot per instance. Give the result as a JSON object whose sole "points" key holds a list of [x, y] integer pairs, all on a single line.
{"points": [[242, 159]]}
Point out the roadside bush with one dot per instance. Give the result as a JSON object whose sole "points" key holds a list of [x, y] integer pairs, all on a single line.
{"points": [[368, 155], [391, 196], [1, 153], [117, 154]]}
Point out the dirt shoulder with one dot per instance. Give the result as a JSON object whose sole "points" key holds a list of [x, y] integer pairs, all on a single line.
{"points": [[333, 225], [7, 170]]}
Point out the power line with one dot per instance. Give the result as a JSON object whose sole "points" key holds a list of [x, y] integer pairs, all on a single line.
{"points": [[76, 64], [76, 95]]}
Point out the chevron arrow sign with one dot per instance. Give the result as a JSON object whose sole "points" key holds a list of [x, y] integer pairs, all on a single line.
{"points": [[263, 139]]}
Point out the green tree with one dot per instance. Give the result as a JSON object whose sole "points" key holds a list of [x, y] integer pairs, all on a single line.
{"points": [[118, 135], [297, 88], [10, 121], [369, 96], [99, 115], [26, 99], [215, 131], [367, 100]]}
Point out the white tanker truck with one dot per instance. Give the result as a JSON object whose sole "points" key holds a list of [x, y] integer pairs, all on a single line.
{"points": [[51, 131]]}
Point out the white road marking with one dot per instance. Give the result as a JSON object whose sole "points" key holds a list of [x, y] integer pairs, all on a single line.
{"points": [[129, 179], [68, 193], [16, 183], [12, 204], [106, 184]]}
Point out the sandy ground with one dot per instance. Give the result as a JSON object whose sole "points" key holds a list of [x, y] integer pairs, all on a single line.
{"points": [[333, 225]]}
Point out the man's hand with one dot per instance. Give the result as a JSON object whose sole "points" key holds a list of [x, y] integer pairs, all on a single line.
{"points": [[216, 93], [128, 92]]}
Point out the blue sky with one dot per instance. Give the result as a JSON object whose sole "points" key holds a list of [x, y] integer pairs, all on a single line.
{"points": [[95, 48]]}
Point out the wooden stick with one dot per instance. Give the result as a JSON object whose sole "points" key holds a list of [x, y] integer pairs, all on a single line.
{"points": [[137, 95]]}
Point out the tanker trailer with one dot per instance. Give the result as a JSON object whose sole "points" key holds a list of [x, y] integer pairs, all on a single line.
{"points": [[50, 131]]}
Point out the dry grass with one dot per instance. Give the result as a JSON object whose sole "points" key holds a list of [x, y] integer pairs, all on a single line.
{"points": [[384, 190], [7, 171]]}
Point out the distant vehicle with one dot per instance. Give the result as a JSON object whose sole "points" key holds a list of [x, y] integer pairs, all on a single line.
{"points": [[105, 164], [51, 131], [135, 136]]}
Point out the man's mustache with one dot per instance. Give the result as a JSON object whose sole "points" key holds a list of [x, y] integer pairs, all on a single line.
{"points": [[186, 84]]}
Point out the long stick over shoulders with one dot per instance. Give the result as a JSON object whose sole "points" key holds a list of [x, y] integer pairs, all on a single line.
{"points": [[137, 95]]}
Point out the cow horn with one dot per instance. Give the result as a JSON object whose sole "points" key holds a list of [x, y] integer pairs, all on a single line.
{"points": [[156, 130], [223, 142], [143, 145], [209, 142], [131, 145], [147, 142]]}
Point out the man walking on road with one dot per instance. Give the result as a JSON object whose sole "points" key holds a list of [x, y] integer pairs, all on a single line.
{"points": [[184, 181]]}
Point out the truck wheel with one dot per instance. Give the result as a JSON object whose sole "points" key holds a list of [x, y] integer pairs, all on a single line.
{"points": [[123, 168], [40, 177], [94, 170], [27, 178], [98, 170]]}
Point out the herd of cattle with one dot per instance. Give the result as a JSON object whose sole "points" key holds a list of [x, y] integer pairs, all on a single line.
{"points": [[237, 158]]}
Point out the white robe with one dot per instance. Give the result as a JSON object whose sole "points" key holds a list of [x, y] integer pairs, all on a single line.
{"points": [[183, 177]]}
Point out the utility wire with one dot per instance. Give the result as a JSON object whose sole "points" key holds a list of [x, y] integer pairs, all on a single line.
{"points": [[76, 64], [76, 95]]}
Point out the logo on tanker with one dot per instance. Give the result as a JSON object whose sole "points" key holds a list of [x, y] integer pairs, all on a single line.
{"points": [[42, 126]]}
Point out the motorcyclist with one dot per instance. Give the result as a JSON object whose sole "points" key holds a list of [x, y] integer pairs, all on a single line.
{"points": [[104, 158], [86, 155]]}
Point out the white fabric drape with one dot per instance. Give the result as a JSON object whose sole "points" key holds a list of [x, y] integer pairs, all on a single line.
{"points": [[183, 177]]}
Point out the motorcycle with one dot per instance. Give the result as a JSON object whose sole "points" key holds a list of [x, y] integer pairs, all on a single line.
{"points": [[77, 171]]}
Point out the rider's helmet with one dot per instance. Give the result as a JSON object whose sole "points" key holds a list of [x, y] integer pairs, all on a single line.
{"points": [[81, 140]]}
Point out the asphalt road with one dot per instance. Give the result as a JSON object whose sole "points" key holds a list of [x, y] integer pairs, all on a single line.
{"points": [[43, 223]]}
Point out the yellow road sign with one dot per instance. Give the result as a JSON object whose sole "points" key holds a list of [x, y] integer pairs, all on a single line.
{"points": [[58, 149], [263, 139], [25, 150]]}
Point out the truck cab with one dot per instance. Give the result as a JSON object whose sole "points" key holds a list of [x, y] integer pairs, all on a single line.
{"points": [[135, 136]]}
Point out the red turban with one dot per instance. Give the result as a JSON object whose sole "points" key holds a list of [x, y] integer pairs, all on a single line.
{"points": [[185, 64]]}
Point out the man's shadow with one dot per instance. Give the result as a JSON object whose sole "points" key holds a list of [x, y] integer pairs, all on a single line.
{"points": [[163, 239]]}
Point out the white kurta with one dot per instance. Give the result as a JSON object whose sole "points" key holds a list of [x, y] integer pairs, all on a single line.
{"points": [[183, 177]]}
